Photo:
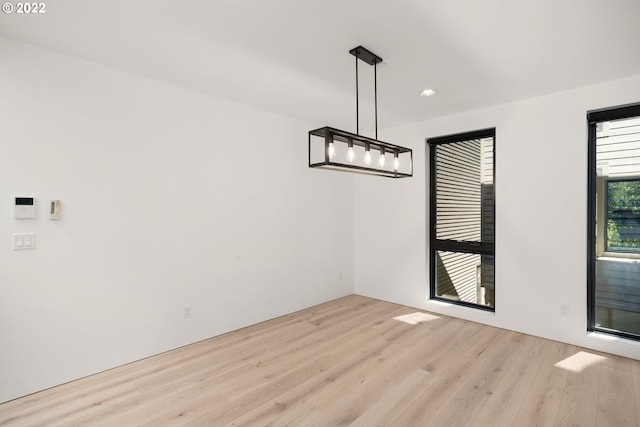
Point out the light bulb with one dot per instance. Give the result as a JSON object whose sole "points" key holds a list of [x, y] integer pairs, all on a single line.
{"points": [[351, 155], [331, 150], [381, 159], [367, 155], [396, 162]]}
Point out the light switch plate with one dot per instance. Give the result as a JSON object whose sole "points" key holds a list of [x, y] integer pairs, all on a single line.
{"points": [[24, 241]]}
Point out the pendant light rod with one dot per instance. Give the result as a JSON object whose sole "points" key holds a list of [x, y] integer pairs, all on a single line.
{"points": [[375, 93], [357, 104], [371, 59]]}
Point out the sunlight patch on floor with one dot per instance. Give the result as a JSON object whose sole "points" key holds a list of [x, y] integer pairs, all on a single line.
{"points": [[416, 318], [580, 361]]}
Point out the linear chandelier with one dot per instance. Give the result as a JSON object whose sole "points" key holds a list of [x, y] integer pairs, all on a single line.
{"points": [[335, 149]]}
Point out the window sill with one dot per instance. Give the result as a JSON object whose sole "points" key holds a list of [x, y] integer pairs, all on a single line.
{"points": [[601, 336], [438, 305], [634, 259]]}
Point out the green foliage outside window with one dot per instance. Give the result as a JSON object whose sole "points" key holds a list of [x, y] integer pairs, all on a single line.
{"points": [[623, 216]]}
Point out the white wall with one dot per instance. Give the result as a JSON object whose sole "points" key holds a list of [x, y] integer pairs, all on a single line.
{"points": [[541, 211], [170, 198]]}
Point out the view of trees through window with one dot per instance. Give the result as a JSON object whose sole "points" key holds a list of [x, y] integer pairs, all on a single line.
{"points": [[623, 216]]}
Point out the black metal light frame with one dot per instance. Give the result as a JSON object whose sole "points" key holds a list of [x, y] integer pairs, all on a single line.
{"points": [[329, 135]]}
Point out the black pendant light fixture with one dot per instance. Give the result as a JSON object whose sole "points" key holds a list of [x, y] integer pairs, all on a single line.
{"points": [[335, 149]]}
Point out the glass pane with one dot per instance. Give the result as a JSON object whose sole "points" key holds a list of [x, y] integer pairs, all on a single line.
{"points": [[465, 277], [464, 191], [618, 294], [623, 216]]}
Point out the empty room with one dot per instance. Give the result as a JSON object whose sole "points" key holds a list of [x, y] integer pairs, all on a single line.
{"points": [[320, 213]]}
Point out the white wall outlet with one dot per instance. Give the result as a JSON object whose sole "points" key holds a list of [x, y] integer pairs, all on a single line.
{"points": [[564, 310], [187, 312]]}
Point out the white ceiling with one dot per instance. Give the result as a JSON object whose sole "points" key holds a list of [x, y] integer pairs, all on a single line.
{"points": [[291, 56]]}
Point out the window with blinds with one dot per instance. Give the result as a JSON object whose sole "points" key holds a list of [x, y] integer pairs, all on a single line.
{"points": [[462, 218]]}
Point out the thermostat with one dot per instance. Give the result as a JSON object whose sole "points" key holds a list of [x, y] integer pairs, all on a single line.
{"points": [[24, 208]]}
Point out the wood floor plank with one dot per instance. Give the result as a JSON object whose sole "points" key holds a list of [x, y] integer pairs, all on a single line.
{"points": [[394, 400], [450, 370], [516, 377], [580, 395], [635, 373], [542, 400], [480, 382], [408, 358], [354, 361], [616, 403]]}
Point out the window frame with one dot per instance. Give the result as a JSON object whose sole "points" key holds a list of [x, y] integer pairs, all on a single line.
{"points": [[594, 243], [435, 244]]}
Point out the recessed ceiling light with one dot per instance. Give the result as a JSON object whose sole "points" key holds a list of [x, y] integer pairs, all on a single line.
{"points": [[428, 92]]}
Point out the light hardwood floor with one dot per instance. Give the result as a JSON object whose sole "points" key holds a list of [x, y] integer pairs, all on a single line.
{"points": [[354, 361]]}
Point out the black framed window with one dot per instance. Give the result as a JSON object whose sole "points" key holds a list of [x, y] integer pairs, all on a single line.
{"points": [[613, 270], [462, 212]]}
